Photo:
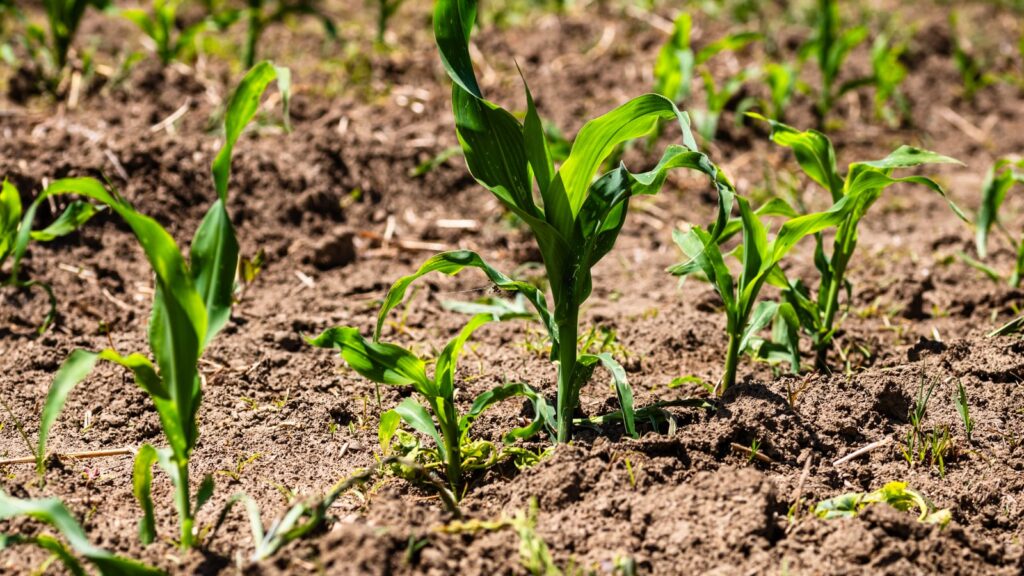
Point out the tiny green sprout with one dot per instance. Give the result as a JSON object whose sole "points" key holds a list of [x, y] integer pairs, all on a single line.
{"points": [[52, 511], [240, 465], [192, 303], [578, 219], [16, 232], [963, 409], [895, 494], [755, 449], [390, 364], [629, 471], [861, 187], [160, 25]]}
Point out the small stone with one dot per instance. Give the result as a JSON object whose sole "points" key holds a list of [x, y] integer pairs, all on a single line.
{"points": [[335, 250]]}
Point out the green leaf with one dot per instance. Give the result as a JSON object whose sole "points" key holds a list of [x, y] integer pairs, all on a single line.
{"points": [[998, 181], [75, 369], [444, 370], [452, 263], [51, 511], [380, 362], [599, 137], [763, 314], [389, 422], [204, 493], [214, 261], [10, 217], [142, 481], [178, 323], [214, 254], [74, 216], [417, 416], [622, 389], [813, 152], [705, 256], [241, 108], [732, 42], [544, 414]]}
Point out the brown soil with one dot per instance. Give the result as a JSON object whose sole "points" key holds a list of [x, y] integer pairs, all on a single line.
{"points": [[681, 503]]}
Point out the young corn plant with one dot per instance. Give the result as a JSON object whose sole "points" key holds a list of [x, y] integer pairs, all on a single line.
{"points": [[861, 187], [263, 13], [52, 512], [51, 50], [1000, 179], [16, 233], [782, 81], [578, 218], [191, 304], [160, 25], [716, 99], [387, 363], [386, 9], [678, 65], [887, 75], [759, 258], [973, 70], [831, 45]]}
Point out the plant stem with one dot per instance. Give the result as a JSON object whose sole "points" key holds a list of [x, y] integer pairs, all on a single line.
{"points": [[450, 429], [841, 256], [181, 494], [568, 396], [732, 359]]}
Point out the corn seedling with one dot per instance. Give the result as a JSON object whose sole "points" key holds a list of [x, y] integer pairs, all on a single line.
{"points": [[191, 304], [760, 258], [301, 518], [887, 75], [895, 494], [782, 81], [579, 218], [263, 13], [386, 363], [1000, 179], [972, 70], [860, 188], [16, 233], [52, 511], [963, 409], [831, 45], [678, 65], [50, 48], [160, 25], [385, 10]]}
